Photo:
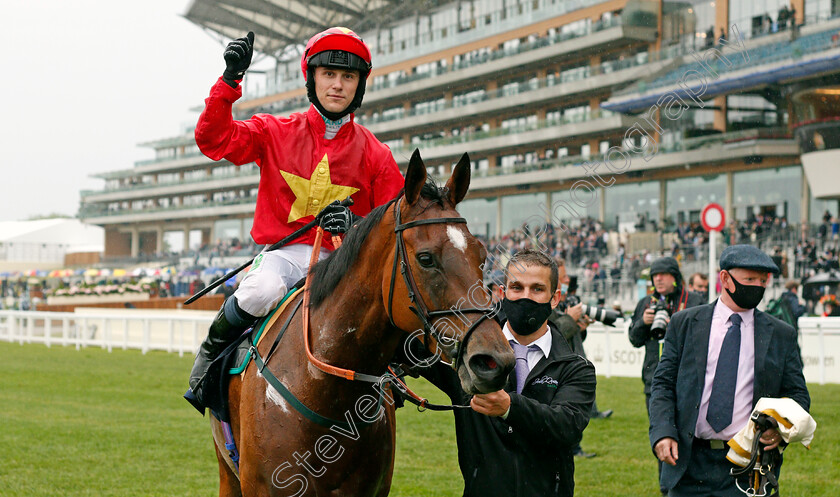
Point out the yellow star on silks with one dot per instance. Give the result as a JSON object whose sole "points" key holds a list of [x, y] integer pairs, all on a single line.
{"points": [[315, 193]]}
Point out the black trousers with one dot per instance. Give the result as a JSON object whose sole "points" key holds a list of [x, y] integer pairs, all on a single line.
{"points": [[707, 475]]}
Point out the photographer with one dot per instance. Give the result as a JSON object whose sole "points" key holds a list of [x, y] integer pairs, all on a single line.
{"points": [[669, 296], [571, 322]]}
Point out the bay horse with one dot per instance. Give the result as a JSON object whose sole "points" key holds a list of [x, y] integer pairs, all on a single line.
{"points": [[334, 436]]}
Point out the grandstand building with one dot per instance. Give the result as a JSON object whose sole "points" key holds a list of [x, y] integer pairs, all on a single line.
{"points": [[634, 112]]}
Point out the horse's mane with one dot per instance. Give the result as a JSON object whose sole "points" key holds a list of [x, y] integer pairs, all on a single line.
{"points": [[327, 273]]}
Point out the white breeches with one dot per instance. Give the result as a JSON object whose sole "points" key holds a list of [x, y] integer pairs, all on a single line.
{"points": [[271, 275]]}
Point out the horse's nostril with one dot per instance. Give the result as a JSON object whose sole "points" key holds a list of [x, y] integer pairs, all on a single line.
{"points": [[491, 363]]}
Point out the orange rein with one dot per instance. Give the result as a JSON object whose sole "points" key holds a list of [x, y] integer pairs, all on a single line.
{"points": [[347, 374]]}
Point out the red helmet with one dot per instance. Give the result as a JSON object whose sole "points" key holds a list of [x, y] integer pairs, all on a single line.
{"points": [[337, 47]]}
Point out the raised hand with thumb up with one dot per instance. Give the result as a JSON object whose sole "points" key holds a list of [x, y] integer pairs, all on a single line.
{"points": [[238, 57]]}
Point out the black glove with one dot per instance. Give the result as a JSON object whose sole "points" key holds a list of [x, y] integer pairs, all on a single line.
{"points": [[336, 218], [238, 57]]}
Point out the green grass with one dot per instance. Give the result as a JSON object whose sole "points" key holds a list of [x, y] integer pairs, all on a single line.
{"points": [[79, 423]]}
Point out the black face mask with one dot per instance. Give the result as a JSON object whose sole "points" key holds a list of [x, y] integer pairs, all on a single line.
{"points": [[526, 316], [746, 296]]}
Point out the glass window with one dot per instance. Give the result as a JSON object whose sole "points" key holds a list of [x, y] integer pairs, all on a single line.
{"points": [[480, 214], [757, 17], [627, 204], [819, 208], [775, 192], [517, 209], [571, 213], [686, 197]]}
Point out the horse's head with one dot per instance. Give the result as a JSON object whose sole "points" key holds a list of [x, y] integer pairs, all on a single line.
{"points": [[440, 292]]}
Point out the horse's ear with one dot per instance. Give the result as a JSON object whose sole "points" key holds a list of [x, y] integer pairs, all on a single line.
{"points": [[459, 182], [415, 177]]}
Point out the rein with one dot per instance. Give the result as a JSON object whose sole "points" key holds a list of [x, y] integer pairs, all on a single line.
{"points": [[347, 374], [759, 470]]}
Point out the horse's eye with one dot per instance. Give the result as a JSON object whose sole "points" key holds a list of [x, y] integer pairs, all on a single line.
{"points": [[425, 259]]}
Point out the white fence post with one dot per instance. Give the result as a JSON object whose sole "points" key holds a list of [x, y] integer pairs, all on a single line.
{"points": [[146, 336], [821, 337], [125, 334], [47, 331], [171, 336]]}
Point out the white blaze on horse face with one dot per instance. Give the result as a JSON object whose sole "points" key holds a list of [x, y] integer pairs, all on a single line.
{"points": [[275, 397], [456, 236]]}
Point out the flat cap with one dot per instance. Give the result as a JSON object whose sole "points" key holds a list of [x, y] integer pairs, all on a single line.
{"points": [[747, 257]]}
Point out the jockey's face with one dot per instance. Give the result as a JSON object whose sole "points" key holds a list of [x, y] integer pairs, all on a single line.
{"points": [[335, 88]]}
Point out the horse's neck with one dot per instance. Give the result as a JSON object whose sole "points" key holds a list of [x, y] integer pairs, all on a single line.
{"points": [[350, 329]]}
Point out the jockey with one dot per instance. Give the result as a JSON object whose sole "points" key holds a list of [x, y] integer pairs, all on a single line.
{"points": [[307, 161]]}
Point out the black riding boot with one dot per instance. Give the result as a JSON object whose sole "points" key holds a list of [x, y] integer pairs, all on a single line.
{"points": [[230, 323]]}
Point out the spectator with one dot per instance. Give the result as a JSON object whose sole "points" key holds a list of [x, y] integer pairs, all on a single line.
{"points": [[791, 299], [699, 283], [572, 324], [669, 293]]}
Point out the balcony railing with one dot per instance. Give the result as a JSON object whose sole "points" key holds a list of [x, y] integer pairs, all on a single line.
{"points": [[480, 135], [158, 160], [187, 181], [577, 74], [678, 146], [99, 210], [501, 53]]}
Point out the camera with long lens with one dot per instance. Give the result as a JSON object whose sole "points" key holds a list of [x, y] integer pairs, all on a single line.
{"points": [[660, 321], [598, 313]]}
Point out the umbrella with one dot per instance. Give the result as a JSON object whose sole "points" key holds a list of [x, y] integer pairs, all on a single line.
{"points": [[820, 284], [831, 277], [91, 272], [119, 272]]}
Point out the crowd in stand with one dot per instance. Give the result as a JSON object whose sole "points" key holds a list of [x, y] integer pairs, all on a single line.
{"points": [[606, 273]]}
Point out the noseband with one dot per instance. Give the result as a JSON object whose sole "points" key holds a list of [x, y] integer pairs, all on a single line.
{"points": [[418, 306]]}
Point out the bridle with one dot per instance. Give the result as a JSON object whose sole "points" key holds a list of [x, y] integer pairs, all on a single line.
{"points": [[418, 306]]}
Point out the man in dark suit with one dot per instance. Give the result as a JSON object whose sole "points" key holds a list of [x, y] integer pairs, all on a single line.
{"points": [[718, 360]]}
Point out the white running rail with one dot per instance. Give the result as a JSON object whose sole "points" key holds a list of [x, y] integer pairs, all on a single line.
{"points": [[146, 330]]}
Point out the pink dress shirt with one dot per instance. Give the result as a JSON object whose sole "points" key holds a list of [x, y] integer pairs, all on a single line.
{"points": [[746, 373]]}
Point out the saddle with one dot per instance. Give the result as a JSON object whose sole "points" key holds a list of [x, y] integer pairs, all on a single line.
{"points": [[236, 356]]}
